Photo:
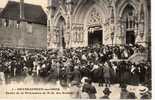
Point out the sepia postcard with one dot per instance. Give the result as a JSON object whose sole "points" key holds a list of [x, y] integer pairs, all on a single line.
{"points": [[75, 49]]}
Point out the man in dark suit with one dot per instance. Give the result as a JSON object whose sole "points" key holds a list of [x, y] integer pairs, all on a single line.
{"points": [[76, 74], [106, 73], [90, 89]]}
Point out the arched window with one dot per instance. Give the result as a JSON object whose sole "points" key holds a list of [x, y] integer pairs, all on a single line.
{"points": [[59, 33], [128, 16], [94, 18], [129, 20]]}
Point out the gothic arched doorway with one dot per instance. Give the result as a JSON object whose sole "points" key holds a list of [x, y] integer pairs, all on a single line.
{"points": [[60, 38], [94, 24], [95, 36], [130, 37]]}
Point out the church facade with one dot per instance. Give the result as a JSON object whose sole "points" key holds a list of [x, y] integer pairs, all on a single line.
{"points": [[80, 23]]}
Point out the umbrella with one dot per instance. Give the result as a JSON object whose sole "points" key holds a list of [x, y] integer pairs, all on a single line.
{"points": [[118, 60], [138, 58]]}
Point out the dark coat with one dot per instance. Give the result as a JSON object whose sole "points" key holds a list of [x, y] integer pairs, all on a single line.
{"points": [[96, 74], [53, 76], [106, 72], [76, 75], [1, 68], [85, 72], [91, 90], [124, 94]]}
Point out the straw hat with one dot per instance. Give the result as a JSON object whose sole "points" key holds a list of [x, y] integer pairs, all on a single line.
{"points": [[142, 89], [83, 79]]}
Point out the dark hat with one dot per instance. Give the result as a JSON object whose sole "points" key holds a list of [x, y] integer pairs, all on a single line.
{"points": [[124, 86], [131, 95], [88, 80], [106, 91]]}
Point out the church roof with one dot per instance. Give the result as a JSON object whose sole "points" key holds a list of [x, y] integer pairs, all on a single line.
{"points": [[32, 13]]}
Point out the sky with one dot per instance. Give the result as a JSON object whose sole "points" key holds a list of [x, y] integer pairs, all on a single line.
{"points": [[43, 3]]}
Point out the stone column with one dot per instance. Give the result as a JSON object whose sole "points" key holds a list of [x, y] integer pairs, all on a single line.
{"points": [[69, 5], [107, 32], [123, 29], [147, 21], [140, 36], [118, 31], [50, 25]]}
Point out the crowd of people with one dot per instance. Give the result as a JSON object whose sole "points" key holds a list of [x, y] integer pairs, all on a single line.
{"points": [[71, 65]]}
